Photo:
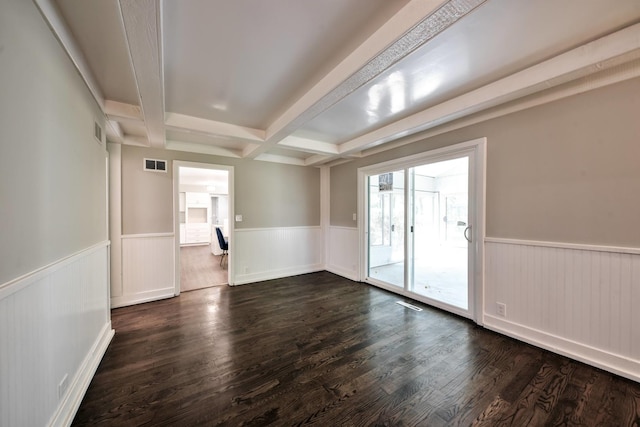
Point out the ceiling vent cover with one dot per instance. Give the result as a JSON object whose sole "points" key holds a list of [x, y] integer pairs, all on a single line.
{"points": [[155, 165]]}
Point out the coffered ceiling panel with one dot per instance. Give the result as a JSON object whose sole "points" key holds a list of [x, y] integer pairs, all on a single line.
{"points": [[244, 61], [496, 40], [97, 29], [319, 82]]}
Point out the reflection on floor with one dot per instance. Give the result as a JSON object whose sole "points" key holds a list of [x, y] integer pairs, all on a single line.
{"points": [[199, 268], [440, 274]]}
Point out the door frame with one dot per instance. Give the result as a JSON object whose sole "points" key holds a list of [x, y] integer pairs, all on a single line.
{"points": [[177, 164], [477, 206]]}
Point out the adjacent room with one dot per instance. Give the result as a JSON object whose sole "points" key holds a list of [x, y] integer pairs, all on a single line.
{"points": [[203, 212], [336, 212]]}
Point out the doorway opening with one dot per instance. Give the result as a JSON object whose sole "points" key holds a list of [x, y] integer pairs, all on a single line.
{"points": [[203, 196], [424, 226]]}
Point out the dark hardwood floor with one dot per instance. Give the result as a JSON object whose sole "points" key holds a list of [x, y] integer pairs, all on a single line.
{"points": [[321, 350]]}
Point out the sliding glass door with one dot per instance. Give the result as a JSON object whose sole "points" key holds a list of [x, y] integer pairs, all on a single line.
{"points": [[419, 236], [441, 216]]}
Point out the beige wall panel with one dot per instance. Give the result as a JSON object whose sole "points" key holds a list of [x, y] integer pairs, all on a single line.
{"points": [[266, 194], [147, 196], [276, 195], [567, 171], [52, 170]]}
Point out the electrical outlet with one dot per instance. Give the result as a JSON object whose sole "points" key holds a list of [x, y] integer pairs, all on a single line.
{"points": [[501, 309], [246, 269]]}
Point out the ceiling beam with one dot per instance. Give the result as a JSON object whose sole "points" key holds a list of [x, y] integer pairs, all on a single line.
{"points": [[308, 145], [119, 110], [142, 22], [317, 160], [181, 122], [274, 158], [598, 55], [114, 131], [415, 24], [202, 149], [139, 141]]}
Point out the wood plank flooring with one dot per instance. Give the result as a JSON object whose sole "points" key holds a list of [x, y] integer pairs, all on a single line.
{"points": [[199, 268], [320, 350]]}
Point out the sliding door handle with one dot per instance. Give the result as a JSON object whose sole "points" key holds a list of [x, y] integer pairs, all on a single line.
{"points": [[468, 237]]}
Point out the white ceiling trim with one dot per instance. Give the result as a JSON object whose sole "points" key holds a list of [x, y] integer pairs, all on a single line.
{"points": [[415, 24], [308, 145], [181, 122], [202, 149], [248, 149], [608, 51], [114, 131], [317, 160], [266, 157], [52, 15], [119, 110], [143, 34], [326, 160], [139, 141]]}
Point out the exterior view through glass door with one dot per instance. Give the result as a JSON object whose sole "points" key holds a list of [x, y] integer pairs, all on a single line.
{"points": [[441, 216], [386, 228], [430, 257]]}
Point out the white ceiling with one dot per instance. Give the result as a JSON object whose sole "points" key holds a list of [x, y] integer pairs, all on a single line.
{"points": [[311, 83]]}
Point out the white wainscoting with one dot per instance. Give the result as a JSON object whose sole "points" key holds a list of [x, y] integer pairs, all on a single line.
{"points": [[55, 323], [270, 253], [147, 269], [342, 252], [578, 300]]}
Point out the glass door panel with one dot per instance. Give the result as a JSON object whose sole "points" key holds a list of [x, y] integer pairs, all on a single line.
{"points": [[440, 216], [386, 228]]}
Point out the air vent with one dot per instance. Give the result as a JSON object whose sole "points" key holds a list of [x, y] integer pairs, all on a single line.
{"points": [[155, 165], [411, 306], [97, 132]]}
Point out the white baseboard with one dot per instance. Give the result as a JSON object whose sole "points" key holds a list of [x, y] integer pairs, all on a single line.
{"points": [[347, 274], [270, 253], [142, 297], [607, 361], [243, 279], [72, 399]]}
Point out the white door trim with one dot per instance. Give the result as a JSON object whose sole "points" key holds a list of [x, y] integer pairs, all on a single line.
{"points": [[477, 175]]}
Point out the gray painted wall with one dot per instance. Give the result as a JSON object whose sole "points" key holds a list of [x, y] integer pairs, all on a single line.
{"points": [[266, 194], [568, 171], [52, 170]]}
